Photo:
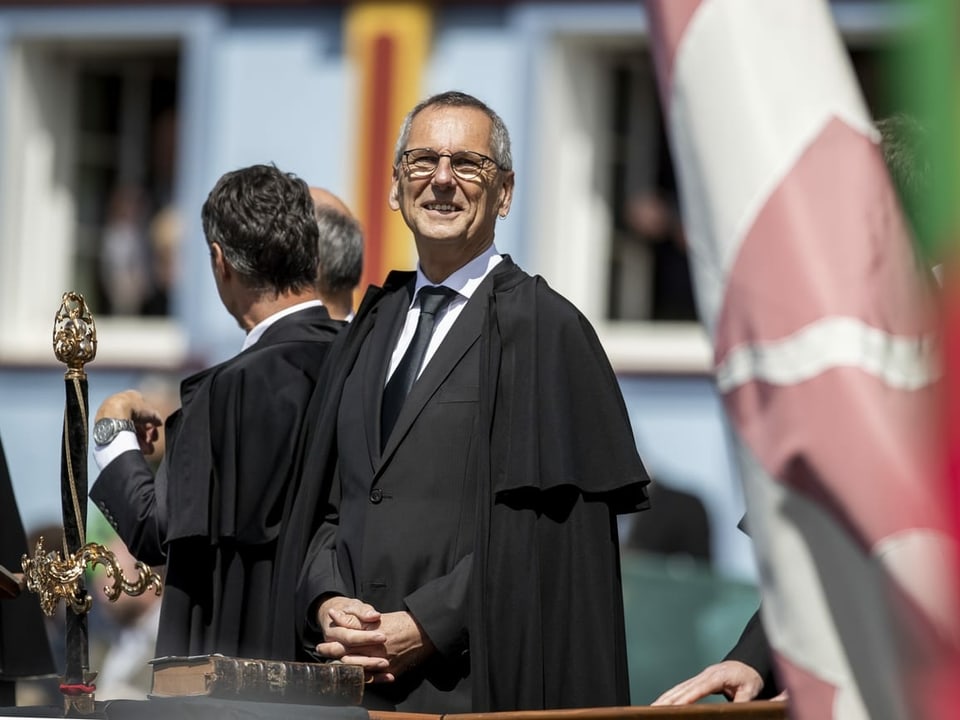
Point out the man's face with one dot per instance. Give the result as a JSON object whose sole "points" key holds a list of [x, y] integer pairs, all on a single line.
{"points": [[445, 212]]}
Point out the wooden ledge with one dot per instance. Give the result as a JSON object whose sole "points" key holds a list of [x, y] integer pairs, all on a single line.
{"points": [[757, 710]]}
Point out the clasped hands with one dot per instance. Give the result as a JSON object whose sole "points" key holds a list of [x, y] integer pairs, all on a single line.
{"points": [[384, 644]]}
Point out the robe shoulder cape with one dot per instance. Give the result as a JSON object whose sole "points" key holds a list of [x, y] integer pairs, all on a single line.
{"points": [[562, 464]]}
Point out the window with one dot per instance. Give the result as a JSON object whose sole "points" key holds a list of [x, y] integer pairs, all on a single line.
{"points": [[607, 230], [90, 144], [126, 237], [649, 277]]}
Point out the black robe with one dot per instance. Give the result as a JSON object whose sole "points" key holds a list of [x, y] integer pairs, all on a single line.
{"points": [[24, 647], [556, 461], [213, 513], [753, 649]]}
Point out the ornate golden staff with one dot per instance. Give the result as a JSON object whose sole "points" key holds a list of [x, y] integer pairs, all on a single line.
{"points": [[47, 573]]}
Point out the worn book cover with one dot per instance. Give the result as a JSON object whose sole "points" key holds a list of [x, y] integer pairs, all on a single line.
{"points": [[262, 680]]}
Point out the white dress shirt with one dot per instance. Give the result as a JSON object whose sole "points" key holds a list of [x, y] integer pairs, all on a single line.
{"points": [[464, 281]]}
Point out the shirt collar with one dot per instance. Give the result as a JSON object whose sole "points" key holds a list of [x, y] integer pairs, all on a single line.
{"points": [[261, 327], [466, 279]]}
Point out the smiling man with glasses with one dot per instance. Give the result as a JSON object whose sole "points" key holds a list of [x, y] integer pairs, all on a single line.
{"points": [[463, 478]]}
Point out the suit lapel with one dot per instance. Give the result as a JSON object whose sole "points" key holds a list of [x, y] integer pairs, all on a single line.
{"points": [[391, 313], [461, 337]]}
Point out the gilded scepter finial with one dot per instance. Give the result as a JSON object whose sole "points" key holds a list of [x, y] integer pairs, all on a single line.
{"points": [[74, 334]]}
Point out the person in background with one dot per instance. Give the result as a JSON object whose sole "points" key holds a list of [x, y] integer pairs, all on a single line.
{"points": [[124, 264], [165, 233], [680, 525], [341, 253]]}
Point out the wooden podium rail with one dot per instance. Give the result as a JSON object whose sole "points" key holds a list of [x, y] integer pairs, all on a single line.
{"points": [[757, 710], [206, 708]]}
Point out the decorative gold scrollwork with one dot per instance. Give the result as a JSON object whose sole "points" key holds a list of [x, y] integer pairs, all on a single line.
{"points": [[53, 577], [74, 334]]}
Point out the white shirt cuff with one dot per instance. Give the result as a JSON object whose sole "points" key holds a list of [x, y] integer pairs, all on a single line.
{"points": [[125, 440]]}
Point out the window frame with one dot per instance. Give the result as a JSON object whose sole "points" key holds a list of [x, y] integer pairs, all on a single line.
{"points": [[572, 227], [36, 196]]}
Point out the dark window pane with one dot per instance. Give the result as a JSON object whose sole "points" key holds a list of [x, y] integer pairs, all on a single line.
{"points": [[125, 150]]}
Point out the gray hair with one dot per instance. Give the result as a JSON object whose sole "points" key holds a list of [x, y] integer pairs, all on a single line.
{"points": [[340, 250], [499, 136]]}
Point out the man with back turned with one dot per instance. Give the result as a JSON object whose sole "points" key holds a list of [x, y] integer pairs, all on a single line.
{"points": [[213, 512]]}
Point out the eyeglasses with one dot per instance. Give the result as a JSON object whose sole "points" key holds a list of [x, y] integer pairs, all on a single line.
{"points": [[420, 163]]}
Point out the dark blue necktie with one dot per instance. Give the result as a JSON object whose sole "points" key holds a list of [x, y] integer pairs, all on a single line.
{"points": [[432, 301]]}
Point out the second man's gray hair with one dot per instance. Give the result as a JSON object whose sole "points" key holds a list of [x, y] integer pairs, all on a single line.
{"points": [[341, 250]]}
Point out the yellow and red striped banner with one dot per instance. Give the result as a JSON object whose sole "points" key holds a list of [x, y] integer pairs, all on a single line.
{"points": [[388, 43]]}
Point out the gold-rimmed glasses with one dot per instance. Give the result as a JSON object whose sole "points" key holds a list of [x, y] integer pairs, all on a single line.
{"points": [[421, 163]]}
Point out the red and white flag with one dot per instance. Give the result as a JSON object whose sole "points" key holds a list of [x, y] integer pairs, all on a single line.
{"points": [[824, 338]]}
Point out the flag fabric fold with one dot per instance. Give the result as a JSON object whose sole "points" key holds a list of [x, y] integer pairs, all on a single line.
{"points": [[825, 346]]}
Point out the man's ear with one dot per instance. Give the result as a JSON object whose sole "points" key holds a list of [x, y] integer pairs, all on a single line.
{"points": [[506, 194], [394, 197], [221, 268]]}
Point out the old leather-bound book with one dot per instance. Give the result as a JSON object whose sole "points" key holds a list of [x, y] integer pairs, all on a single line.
{"points": [[263, 680]]}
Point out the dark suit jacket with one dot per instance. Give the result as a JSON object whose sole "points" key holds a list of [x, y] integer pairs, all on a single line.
{"points": [[753, 649], [401, 527], [226, 472]]}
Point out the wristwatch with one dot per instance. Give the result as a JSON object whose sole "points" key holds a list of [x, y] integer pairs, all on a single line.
{"points": [[106, 429]]}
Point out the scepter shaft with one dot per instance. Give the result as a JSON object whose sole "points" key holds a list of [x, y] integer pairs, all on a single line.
{"points": [[73, 496], [75, 343]]}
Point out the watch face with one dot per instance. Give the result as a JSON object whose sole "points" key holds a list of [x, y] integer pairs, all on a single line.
{"points": [[104, 431]]}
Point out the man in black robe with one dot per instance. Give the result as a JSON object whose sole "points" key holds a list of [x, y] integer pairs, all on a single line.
{"points": [[465, 544], [24, 647], [213, 511]]}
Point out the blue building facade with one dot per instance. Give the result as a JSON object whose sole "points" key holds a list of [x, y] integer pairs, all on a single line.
{"points": [[86, 90]]}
